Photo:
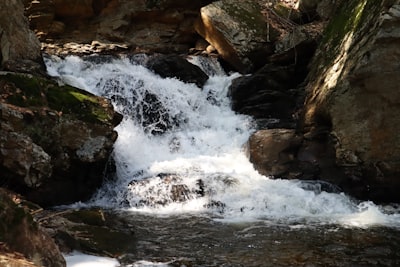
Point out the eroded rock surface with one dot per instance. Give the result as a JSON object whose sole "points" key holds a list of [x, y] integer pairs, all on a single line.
{"points": [[55, 140]]}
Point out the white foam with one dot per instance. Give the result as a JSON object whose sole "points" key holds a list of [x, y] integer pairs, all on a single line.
{"points": [[78, 259], [206, 145]]}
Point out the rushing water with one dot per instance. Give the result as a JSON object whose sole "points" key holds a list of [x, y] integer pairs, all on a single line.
{"points": [[183, 179]]}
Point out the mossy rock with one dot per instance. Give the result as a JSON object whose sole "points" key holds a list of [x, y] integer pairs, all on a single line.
{"points": [[35, 92], [348, 20]]}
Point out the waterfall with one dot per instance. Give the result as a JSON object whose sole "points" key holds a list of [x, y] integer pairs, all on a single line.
{"points": [[180, 150]]}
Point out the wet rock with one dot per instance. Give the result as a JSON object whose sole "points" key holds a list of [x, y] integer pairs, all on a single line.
{"points": [[20, 233], [318, 186], [269, 93], [352, 92], [238, 32], [90, 231], [273, 151], [174, 66], [162, 189], [55, 140]]}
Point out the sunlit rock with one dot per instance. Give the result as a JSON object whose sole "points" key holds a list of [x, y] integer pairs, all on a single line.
{"points": [[354, 93], [237, 30]]}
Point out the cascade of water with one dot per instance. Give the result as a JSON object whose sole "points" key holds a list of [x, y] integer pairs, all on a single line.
{"points": [[180, 149]]}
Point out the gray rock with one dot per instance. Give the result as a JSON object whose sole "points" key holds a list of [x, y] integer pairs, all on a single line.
{"points": [[236, 29]]}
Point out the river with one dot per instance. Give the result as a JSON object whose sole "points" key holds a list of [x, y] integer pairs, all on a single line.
{"points": [[183, 181]]}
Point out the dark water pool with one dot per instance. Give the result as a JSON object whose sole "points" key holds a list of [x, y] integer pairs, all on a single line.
{"points": [[187, 240]]}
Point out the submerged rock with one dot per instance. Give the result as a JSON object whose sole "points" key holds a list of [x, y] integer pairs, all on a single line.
{"points": [[55, 140], [91, 231]]}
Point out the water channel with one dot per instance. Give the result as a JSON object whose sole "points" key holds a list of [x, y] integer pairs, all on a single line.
{"points": [[184, 185]]}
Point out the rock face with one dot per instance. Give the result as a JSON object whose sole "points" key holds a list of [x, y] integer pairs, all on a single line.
{"points": [[353, 95], [18, 232], [90, 26], [269, 95], [55, 140], [237, 30], [19, 47]]}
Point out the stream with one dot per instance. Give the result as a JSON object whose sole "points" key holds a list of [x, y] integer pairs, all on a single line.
{"points": [[184, 184]]}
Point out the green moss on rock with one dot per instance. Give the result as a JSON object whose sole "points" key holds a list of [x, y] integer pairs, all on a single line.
{"points": [[251, 18], [352, 15], [31, 91]]}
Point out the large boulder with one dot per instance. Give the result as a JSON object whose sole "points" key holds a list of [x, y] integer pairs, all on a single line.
{"points": [[23, 242], [19, 47], [55, 140], [353, 94], [238, 31]]}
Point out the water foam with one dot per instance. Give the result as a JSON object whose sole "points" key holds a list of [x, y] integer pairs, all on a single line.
{"points": [[201, 152]]}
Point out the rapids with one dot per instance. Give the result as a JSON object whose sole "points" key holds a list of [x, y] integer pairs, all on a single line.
{"points": [[180, 153]]}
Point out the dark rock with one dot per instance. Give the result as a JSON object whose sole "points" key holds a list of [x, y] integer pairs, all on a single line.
{"points": [[141, 105], [55, 140], [91, 231], [268, 94], [319, 186], [20, 233], [163, 189], [174, 66], [273, 152]]}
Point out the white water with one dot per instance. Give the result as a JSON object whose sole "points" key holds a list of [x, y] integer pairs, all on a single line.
{"points": [[77, 259], [205, 143]]}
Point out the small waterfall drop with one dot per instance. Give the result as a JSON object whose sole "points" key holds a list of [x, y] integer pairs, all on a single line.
{"points": [[180, 149]]}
